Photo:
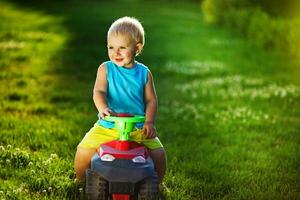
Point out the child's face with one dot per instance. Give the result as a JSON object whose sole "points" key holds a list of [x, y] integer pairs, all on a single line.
{"points": [[121, 50]]}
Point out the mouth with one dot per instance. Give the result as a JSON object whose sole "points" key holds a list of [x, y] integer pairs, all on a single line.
{"points": [[119, 59]]}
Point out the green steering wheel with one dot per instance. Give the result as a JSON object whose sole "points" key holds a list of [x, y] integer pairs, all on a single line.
{"points": [[125, 125]]}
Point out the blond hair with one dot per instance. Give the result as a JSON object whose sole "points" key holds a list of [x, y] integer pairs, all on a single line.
{"points": [[130, 26]]}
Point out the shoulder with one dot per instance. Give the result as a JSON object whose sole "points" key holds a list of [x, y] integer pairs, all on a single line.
{"points": [[103, 67], [146, 73], [141, 65], [149, 75]]}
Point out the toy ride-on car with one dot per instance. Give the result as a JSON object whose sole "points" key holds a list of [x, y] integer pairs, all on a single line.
{"points": [[122, 169]]}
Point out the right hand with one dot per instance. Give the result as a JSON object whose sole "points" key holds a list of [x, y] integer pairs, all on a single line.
{"points": [[106, 112]]}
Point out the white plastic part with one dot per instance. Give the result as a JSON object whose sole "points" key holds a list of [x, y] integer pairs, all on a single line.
{"points": [[100, 151], [107, 157], [139, 159]]}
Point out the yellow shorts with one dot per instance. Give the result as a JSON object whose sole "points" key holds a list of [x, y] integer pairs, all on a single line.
{"points": [[99, 135]]}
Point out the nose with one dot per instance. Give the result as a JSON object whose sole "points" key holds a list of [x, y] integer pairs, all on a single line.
{"points": [[117, 52]]}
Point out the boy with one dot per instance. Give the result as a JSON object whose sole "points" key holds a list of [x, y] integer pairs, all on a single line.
{"points": [[123, 86]]}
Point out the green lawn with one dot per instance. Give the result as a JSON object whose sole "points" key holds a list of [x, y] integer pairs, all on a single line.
{"points": [[229, 113]]}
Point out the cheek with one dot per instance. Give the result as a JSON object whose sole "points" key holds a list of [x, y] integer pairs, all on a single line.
{"points": [[129, 53], [110, 53]]}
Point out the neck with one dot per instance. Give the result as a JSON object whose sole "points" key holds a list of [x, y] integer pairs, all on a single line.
{"points": [[130, 65]]}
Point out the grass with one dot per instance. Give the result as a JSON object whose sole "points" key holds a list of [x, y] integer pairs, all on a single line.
{"points": [[228, 112]]}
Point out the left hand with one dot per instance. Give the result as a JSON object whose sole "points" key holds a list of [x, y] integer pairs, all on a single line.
{"points": [[149, 130]]}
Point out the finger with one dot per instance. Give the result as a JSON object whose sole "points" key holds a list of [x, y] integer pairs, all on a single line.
{"points": [[106, 112], [147, 132], [112, 113], [152, 134]]}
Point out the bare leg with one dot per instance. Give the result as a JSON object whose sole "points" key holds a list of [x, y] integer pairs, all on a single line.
{"points": [[83, 162], [159, 158]]}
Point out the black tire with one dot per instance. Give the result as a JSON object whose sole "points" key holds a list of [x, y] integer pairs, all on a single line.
{"points": [[148, 189], [96, 187]]}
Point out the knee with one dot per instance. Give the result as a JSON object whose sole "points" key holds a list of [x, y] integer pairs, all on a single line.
{"points": [[158, 153], [83, 156]]}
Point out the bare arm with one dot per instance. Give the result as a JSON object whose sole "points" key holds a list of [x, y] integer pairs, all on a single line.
{"points": [[100, 89], [151, 107]]}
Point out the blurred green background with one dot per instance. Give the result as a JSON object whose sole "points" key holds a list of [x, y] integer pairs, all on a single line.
{"points": [[227, 77]]}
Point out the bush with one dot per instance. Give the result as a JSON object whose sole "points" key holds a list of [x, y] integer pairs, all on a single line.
{"points": [[238, 20], [215, 10], [260, 29], [287, 8], [248, 19]]}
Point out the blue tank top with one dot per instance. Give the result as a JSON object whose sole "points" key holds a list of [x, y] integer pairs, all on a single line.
{"points": [[125, 90]]}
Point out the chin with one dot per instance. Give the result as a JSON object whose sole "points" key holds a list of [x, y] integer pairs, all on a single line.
{"points": [[120, 64]]}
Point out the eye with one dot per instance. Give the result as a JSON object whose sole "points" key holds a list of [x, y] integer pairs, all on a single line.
{"points": [[122, 47], [110, 48]]}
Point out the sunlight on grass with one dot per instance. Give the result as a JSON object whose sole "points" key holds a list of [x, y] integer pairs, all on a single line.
{"points": [[219, 42], [238, 86], [22, 41], [29, 41], [11, 45], [241, 114], [195, 67], [25, 53], [36, 172]]}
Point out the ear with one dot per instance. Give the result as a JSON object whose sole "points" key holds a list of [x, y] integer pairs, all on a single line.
{"points": [[138, 48]]}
